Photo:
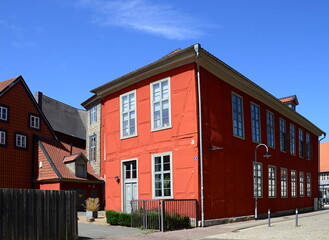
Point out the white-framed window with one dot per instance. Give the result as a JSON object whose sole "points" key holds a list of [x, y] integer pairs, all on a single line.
{"points": [[282, 126], [255, 123], [308, 145], [3, 113], [292, 140], [93, 114], [258, 180], [128, 114], [308, 185], [284, 182], [160, 104], [293, 183], [162, 175], [21, 141], [270, 128], [92, 147], [3, 137], [237, 109], [271, 181], [301, 142], [34, 121], [301, 184]]}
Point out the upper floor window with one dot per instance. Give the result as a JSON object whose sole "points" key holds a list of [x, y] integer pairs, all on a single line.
{"points": [[258, 175], [237, 105], [271, 181], [21, 141], [128, 114], [3, 113], [308, 184], [34, 122], [292, 140], [308, 145], [162, 175], [92, 148], [255, 122], [282, 125], [270, 128], [160, 104], [301, 142], [284, 182], [293, 183], [301, 184], [80, 170], [93, 114], [3, 137]]}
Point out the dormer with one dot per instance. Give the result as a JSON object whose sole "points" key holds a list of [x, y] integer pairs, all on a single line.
{"points": [[77, 164], [291, 101]]}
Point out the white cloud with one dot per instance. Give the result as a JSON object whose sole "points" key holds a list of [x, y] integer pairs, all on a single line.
{"points": [[141, 15]]}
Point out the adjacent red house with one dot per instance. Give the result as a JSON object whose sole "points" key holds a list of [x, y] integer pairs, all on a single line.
{"points": [[189, 126]]}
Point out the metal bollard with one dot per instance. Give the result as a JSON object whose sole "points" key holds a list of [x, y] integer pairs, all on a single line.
{"points": [[269, 217], [296, 217]]}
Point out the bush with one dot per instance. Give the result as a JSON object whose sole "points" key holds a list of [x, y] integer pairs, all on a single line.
{"points": [[174, 222], [118, 218]]}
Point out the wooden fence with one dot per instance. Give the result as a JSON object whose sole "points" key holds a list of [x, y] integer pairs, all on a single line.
{"points": [[38, 214]]}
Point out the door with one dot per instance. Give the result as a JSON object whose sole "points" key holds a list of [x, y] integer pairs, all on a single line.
{"points": [[129, 184]]}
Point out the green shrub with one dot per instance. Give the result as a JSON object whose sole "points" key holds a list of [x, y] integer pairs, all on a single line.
{"points": [[175, 221], [118, 218]]}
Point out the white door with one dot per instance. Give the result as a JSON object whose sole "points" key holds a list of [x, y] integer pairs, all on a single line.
{"points": [[130, 184]]}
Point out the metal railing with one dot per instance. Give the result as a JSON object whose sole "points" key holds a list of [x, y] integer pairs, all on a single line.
{"points": [[164, 215]]}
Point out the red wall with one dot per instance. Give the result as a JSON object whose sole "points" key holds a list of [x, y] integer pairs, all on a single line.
{"points": [[228, 172], [16, 164]]}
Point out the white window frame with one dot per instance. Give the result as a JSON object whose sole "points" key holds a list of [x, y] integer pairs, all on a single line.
{"points": [[293, 179], [283, 135], [92, 147], [270, 129], [162, 172], [284, 182], [308, 184], [3, 113], [301, 146], [271, 181], [162, 126], [292, 132], [3, 137], [122, 112], [308, 146], [34, 121], [258, 179], [301, 184], [21, 141], [255, 122], [237, 117], [93, 114]]}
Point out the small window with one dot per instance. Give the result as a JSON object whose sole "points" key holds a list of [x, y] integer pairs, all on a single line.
{"points": [[258, 175], [128, 114], [3, 113], [3, 138], [271, 181], [34, 122], [284, 182], [21, 141], [308, 185], [162, 175], [80, 170], [292, 140], [293, 183], [301, 184], [92, 148], [270, 128], [255, 122], [237, 108], [93, 114]]}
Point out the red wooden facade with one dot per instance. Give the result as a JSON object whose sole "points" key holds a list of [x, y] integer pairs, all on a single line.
{"points": [[228, 170]]}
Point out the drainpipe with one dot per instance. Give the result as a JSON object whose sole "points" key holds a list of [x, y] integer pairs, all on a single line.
{"points": [[197, 48]]}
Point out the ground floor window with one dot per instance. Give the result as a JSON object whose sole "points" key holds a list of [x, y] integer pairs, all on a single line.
{"points": [[301, 184], [308, 184], [162, 175], [284, 181], [258, 189], [293, 184], [271, 181]]}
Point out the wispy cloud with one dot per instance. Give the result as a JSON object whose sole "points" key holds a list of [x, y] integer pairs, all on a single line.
{"points": [[142, 15]]}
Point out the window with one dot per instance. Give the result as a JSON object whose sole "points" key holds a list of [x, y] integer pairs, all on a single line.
{"points": [[3, 113], [80, 170], [34, 121], [255, 123], [2, 137], [293, 184], [308, 146], [292, 140], [271, 181], [308, 184], [130, 170], [284, 182], [301, 142], [128, 114], [21, 141], [92, 148], [301, 184], [258, 188], [93, 114], [162, 175], [237, 106], [282, 124], [160, 96], [270, 128]]}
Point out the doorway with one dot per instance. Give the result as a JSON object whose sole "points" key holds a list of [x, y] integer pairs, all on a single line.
{"points": [[129, 184]]}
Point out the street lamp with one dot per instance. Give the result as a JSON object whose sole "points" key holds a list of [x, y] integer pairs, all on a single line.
{"points": [[255, 171]]}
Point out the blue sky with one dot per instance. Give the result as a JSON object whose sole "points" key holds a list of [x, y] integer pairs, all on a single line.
{"points": [[65, 48]]}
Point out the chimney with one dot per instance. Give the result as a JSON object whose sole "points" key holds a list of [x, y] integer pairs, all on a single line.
{"points": [[38, 98]]}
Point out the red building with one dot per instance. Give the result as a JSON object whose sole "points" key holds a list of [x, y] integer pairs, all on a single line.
{"points": [[188, 126]]}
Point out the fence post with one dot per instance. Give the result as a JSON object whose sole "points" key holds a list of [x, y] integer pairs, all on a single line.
{"points": [[162, 215], [296, 217], [144, 215], [269, 217]]}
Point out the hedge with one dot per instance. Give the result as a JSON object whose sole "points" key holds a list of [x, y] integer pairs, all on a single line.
{"points": [[118, 218]]}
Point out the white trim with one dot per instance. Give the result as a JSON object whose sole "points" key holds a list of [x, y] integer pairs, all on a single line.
{"points": [[35, 120], [23, 139], [286, 181], [242, 114], [259, 122], [309, 176], [171, 176], [261, 179], [169, 104], [296, 186], [4, 135], [135, 107], [300, 174], [122, 179], [275, 182], [2, 108]]}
